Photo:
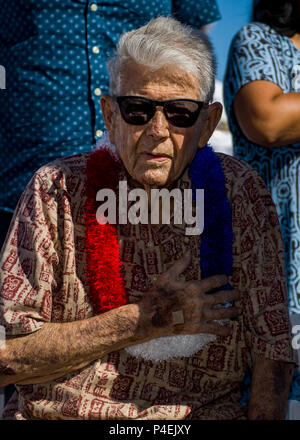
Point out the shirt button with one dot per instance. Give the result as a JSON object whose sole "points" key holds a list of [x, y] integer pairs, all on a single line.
{"points": [[99, 133], [154, 278], [96, 49], [186, 240], [150, 245], [94, 7], [97, 91]]}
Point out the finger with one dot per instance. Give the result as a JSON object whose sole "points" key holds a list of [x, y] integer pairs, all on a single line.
{"points": [[212, 283], [180, 265], [224, 296], [169, 278], [230, 312]]}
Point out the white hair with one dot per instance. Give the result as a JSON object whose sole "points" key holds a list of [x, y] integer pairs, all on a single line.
{"points": [[165, 41]]}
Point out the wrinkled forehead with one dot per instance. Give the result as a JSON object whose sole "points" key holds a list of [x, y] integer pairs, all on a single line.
{"points": [[136, 78]]}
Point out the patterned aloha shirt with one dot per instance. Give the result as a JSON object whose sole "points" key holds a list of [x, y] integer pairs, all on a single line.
{"points": [[43, 279]]}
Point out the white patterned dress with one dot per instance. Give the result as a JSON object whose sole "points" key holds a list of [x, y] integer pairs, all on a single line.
{"points": [[259, 53]]}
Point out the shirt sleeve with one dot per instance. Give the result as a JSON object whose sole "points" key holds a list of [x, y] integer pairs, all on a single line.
{"points": [[262, 278], [28, 262], [255, 54], [197, 13]]}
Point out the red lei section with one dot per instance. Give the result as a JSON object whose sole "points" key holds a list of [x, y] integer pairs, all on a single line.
{"points": [[103, 266]]}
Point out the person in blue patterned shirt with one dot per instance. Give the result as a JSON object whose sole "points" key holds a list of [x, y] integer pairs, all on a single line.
{"points": [[262, 99], [54, 53]]}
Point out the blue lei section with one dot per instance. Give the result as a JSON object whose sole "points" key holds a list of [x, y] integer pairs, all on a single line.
{"points": [[216, 242]]}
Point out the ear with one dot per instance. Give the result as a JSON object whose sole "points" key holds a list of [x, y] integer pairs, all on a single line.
{"points": [[211, 119], [108, 112]]}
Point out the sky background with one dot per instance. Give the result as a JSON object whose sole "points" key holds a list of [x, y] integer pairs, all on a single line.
{"points": [[235, 13]]}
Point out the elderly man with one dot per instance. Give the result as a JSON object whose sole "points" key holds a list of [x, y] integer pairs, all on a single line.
{"points": [[138, 320]]}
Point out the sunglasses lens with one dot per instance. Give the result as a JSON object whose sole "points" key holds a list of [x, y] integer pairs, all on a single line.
{"points": [[139, 111], [182, 113], [136, 111]]}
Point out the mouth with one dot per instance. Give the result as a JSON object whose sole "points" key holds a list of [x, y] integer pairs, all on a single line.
{"points": [[155, 157]]}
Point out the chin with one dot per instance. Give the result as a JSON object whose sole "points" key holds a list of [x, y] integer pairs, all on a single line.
{"points": [[155, 178], [154, 182]]}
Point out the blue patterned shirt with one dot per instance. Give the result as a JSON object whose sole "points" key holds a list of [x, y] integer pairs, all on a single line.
{"points": [[54, 53]]}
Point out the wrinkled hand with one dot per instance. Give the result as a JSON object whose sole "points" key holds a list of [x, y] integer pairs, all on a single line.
{"points": [[199, 307]]}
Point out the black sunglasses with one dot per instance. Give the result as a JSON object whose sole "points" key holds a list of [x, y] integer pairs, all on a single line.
{"points": [[136, 110]]}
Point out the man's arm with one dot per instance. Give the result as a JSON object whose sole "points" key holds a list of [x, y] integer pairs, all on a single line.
{"points": [[269, 389], [60, 348]]}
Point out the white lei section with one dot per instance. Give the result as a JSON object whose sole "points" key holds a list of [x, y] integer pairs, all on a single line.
{"points": [[168, 347]]}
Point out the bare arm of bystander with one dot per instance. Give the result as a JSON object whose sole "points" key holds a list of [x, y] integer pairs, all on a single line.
{"points": [[266, 115]]}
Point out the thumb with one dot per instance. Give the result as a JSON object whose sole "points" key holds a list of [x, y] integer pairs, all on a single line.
{"points": [[171, 275]]}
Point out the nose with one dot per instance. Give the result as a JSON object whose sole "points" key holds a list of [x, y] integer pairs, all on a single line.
{"points": [[158, 126]]}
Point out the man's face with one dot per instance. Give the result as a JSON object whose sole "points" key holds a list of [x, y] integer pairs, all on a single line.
{"points": [[157, 153]]}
